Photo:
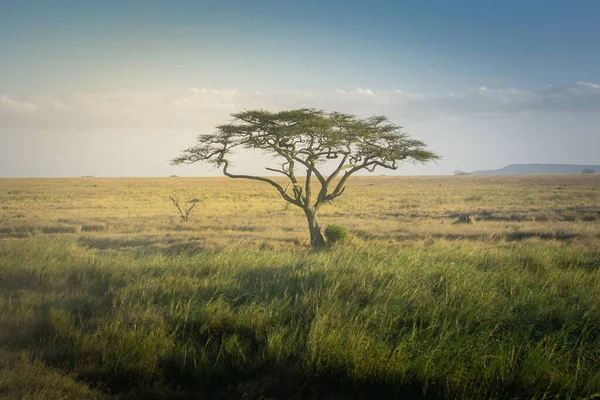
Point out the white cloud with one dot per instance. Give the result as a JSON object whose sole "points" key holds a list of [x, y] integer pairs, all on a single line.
{"points": [[11, 105], [48, 103], [368, 92], [201, 106]]}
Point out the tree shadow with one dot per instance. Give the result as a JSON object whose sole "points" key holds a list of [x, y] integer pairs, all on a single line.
{"points": [[560, 236], [574, 213], [145, 245], [117, 243]]}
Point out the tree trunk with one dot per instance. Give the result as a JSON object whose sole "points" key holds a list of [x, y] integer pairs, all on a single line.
{"points": [[316, 238]]}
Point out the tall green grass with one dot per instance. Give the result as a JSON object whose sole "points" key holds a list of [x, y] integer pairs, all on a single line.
{"points": [[459, 320]]}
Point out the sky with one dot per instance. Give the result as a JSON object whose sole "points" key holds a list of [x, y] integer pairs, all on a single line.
{"points": [[118, 88]]}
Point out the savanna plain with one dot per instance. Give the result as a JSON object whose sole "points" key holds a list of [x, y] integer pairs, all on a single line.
{"points": [[447, 287]]}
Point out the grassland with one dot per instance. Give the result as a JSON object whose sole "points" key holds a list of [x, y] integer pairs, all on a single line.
{"points": [[104, 293]]}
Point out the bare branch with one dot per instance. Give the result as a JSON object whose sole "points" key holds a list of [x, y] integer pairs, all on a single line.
{"points": [[312, 168], [261, 179], [278, 171], [184, 212]]}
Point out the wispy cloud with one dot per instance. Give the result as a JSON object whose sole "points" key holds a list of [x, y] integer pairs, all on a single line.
{"points": [[194, 106], [10, 105]]}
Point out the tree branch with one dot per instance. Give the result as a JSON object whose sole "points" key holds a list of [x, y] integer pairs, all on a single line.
{"points": [[261, 179], [367, 164], [278, 171], [312, 168]]}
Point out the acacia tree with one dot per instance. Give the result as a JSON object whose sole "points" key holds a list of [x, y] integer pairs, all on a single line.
{"points": [[305, 139]]}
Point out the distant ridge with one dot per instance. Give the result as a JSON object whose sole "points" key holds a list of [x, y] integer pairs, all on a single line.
{"points": [[521, 169]]}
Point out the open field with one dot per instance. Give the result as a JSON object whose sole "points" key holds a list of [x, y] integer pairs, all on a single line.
{"points": [[104, 293]]}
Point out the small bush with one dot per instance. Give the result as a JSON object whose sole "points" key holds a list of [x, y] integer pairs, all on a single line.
{"points": [[93, 228], [465, 219], [184, 211], [335, 233]]}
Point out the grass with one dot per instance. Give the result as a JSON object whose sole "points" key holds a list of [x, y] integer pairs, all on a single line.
{"points": [[104, 294]]}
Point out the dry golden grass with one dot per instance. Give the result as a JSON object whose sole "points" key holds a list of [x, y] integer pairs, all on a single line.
{"points": [[107, 213]]}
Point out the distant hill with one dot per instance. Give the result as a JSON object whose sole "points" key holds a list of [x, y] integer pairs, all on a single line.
{"points": [[521, 169]]}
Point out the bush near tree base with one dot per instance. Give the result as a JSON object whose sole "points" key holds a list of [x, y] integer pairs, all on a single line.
{"points": [[335, 233]]}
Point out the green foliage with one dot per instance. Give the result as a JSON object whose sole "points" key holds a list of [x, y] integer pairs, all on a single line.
{"points": [[335, 233], [310, 135]]}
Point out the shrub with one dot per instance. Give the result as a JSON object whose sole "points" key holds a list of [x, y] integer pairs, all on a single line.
{"points": [[335, 233], [465, 219], [184, 211], [588, 171]]}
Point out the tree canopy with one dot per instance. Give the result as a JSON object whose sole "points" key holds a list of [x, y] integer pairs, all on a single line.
{"points": [[304, 139]]}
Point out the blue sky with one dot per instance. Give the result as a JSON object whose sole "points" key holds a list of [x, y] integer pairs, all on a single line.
{"points": [[450, 71]]}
